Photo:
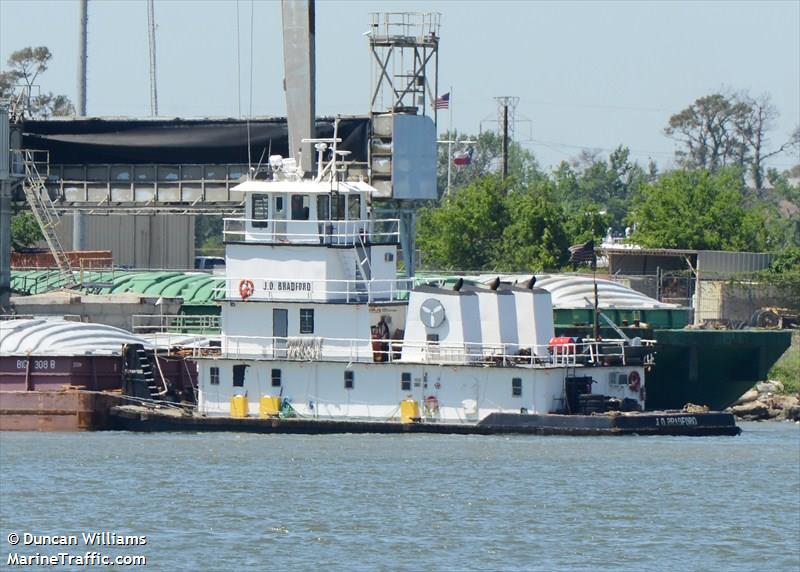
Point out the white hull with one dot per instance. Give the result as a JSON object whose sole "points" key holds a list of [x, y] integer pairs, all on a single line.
{"points": [[463, 393]]}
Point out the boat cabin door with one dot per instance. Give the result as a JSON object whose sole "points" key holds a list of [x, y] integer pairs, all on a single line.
{"points": [[280, 331]]}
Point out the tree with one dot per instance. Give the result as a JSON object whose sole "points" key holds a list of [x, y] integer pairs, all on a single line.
{"points": [[699, 210], [24, 230], [592, 184], [26, 65], [707, 129], [535, 237], [720, 130], [466, 230], [753, 126]]}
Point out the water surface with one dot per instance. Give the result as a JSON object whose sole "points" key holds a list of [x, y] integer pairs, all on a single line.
{"points": [[414, 502]]}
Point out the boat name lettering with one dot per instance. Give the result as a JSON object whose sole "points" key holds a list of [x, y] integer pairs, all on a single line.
{"points": [[681, 420], [37, 364], [288, 286]]}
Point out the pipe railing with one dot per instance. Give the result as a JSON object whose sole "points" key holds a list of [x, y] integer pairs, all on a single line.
{"points": [[312, 231], [274, 288], [594, 352]]}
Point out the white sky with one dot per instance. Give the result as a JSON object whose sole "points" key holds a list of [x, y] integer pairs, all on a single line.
{"points": [[588, 74]]}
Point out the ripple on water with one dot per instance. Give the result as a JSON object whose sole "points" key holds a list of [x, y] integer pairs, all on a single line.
{"points": [[411, 502]]}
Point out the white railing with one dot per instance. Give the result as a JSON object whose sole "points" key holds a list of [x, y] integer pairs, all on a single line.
{"points": [[309, 348], [318, 289], [200, 324], [314, 231]]}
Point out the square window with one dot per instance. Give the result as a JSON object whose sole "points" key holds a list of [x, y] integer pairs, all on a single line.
{"points": [[300, 207], [238, 375], [433, 338], [405, 382], [213, 376], [349, 378], [306, 321], [516, 387], [276, 378]]}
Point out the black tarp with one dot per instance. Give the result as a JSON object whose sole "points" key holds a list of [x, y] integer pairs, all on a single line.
{"points": [[178, 141]]}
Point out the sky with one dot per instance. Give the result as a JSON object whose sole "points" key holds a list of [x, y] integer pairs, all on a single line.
{"points": [[588, 75]]}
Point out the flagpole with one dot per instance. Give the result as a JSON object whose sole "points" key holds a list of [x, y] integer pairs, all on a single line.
{"points": [[450, 140], [596, 324]]}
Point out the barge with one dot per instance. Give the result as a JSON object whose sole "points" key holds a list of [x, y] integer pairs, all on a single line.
{"points": [[60, 375]]}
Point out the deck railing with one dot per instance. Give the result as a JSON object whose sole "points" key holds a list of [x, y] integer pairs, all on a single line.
{"points": [[310, 348], [314, 231], [319, 290]]}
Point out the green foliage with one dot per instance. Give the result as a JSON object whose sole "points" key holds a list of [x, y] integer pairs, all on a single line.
{"points": [[784, 274], [24, 230], [465, 232], [782, 203], [787, 369], [536, 235], [699, 210], [604, 187], [208, 235]]}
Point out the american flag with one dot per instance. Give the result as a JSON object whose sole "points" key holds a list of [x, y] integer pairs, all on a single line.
{"points": [[582, 253], [442, 102]]}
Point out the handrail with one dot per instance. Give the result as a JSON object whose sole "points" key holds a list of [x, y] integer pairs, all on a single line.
{"points": [[328, 231], [279, 288], [595, 352]]}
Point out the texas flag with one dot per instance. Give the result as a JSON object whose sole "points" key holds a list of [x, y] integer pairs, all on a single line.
{"points": [[463, 158]]}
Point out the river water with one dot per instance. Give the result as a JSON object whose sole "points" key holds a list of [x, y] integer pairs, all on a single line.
{"points": [[223, 502]]}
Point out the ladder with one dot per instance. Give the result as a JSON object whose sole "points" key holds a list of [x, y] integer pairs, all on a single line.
{"points": [[47, 217]]}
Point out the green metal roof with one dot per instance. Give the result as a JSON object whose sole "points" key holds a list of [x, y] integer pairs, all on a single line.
{"points": [[196, 288]]}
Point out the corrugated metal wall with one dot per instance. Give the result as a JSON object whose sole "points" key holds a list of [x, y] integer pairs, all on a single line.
{"points": [[718, 264], [158, 241]]}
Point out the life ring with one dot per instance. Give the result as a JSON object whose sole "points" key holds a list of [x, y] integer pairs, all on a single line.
{"points": [[246, 288], [432, 405], [634, 381]]}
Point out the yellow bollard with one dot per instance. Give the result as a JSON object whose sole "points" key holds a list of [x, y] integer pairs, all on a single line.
{"points": [[269, 406], [239, 406], [409, 411]]}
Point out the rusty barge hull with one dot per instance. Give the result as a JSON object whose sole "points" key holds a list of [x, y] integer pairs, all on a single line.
{"points": [[56, 410]]}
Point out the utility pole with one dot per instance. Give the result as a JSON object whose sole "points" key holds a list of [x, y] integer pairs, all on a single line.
{"points": [[83, 20], [79, 218], [151, 35], [506, 106], [5, 211]]}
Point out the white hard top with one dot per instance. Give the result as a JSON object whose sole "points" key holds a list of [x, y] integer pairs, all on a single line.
{"points": [[577, 291], [56, 337], [302, 187]]}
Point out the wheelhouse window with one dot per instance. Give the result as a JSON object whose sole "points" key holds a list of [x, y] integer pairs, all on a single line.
{"points": [[323, 207], [354, 207], [276, 378], [405, 381], [338, 206], [260, 206], [516, 387], [300, 207], [213, 375], [306, 321], [238, 375], [349, 378], [279, 205]]}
